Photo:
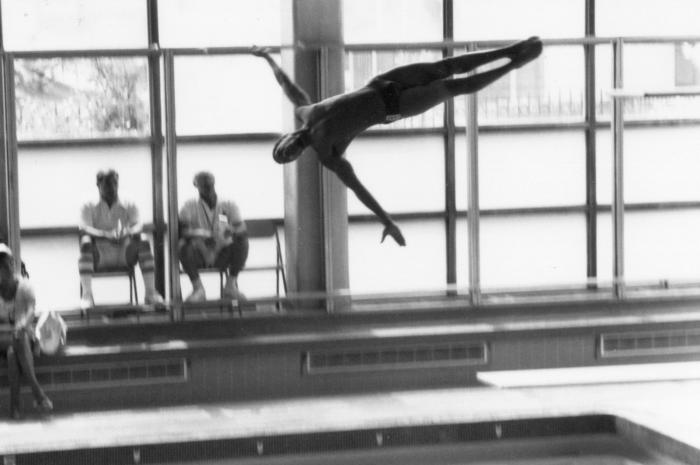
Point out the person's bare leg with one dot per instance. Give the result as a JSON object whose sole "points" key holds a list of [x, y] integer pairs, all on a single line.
{"points": [[416, 100], [478, 81], [139, 250], [86, 267], [421, 74], [14, 379], [24, 355]]}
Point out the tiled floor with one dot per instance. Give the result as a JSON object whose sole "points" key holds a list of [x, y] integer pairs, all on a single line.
{"points": [[670, 407]]}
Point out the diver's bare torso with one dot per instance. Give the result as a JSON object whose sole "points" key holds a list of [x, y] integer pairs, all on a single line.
{"points": [[334, 122]]}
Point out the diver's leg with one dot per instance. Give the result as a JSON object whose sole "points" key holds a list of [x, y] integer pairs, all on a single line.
{"points": [[421, 74], [416, 100]]}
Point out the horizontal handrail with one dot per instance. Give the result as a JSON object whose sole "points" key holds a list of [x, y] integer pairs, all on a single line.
{"points": [[438, 44]]}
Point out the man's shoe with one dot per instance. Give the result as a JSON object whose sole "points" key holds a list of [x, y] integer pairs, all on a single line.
{"points": [[233, 294], [86, 302], [154, 299], [231, 291], [198, 295]]}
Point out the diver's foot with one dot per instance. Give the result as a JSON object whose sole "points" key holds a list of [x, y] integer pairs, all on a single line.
{"points": [[526, 51]]}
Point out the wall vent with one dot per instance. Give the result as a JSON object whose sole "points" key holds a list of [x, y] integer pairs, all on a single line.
{"points": [[395, 357], [641, 343], [110, 374]]}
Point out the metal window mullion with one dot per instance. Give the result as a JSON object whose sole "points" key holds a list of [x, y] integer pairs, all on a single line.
{"points": [[472, 128], [156, 140], [4, 189], [171, 161], [326, 196], [591, 168], [618, 206], [11, 163], [450, 158], [69, 54]]}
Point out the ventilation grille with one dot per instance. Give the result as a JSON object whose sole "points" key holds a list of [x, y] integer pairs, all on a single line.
{"points": [[402, 357], [677, 341], [116, 374]]}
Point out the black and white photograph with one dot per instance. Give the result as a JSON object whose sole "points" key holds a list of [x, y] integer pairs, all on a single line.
{"points": [[360, 232]]}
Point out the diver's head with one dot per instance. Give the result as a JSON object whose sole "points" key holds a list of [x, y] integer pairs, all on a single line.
{"points": [[290, 146]]}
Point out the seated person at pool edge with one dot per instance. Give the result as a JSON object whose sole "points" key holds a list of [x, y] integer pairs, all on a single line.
{"points": [[212, 234], [111, 236], [329, 126], [17, 307]]}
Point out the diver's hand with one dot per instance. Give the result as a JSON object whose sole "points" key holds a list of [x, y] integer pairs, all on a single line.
{"points": [[259, 51], [392, 230]]}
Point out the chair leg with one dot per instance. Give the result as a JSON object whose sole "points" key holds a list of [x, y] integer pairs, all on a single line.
{"points": [[223, 274], [132, 284], [277, 288], [221, 291], [83, 312]]}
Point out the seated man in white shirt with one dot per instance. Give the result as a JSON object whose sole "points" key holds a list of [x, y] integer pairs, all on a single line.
{"points": [[212, 234], [111, 236]]}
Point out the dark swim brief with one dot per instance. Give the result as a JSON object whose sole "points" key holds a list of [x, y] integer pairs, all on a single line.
{"points": [[390, 92]]}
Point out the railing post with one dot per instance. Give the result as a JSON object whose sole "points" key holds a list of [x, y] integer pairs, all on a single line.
{"points": [[171, 158], [472, 135], [618, 205]]}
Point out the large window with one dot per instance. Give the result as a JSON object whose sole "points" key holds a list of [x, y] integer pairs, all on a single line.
{"points": [[70, 173], [392, 21], [74, 24], [548, 90], [244, 172], [525, 170], [67, 104], [384, 268], [514, 19], [526, 250], [676, 65], [71, 98], [647, 18], [405, 174], [219, 23], [84, 74], [225, 94]]}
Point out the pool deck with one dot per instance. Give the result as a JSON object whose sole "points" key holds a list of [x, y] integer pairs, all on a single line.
{"points": [[668, 407]]}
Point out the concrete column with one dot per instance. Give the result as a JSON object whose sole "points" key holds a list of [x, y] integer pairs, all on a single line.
{"points": [[315, 200]]}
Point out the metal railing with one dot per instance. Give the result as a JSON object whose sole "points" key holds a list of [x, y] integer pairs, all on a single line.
{"points": [[530, 109]]}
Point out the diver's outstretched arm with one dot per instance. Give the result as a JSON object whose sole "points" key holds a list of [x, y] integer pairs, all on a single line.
{"points": [[343, 169], [293, 92]]}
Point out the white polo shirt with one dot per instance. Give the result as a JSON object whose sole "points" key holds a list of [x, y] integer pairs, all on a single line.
{"points": [[101, 216], [195, 215], [20, 305]]}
